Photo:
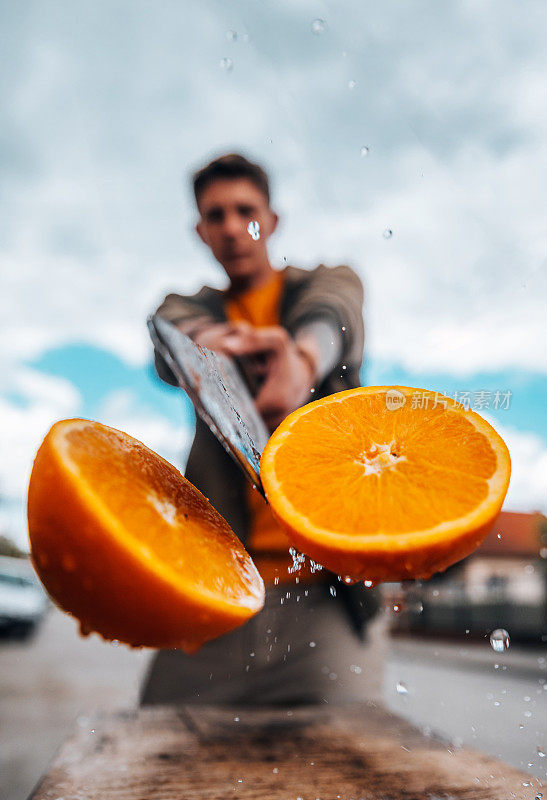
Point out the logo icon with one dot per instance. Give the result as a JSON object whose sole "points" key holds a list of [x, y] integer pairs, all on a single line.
{"points": [[394, 399]]}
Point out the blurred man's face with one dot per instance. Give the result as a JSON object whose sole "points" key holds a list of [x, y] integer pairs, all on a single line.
{"points": [[226, 207]]}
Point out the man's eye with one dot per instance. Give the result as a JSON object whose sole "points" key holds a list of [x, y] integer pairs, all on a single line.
{"points": [[246, 211], [214, 216]]}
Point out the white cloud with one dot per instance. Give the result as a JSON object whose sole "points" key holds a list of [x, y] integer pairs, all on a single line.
{"points": [[23, 424], [528, 486], [100, 227]]}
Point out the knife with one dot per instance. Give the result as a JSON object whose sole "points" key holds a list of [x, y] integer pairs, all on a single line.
{"points": [[218, 393]]}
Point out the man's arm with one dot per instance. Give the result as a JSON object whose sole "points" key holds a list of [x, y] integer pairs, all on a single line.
{"points": [[335, 296]]}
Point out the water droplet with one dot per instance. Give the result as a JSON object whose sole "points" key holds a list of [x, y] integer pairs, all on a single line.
{"points": [[333, 591], [352, 84], [539, 796], [521, 726], [275, 770], [354, 668], [333, 676], [388, 233], [396, 608], [318, 26], [254, 229], [401, 688], [343, 327], [541, 752], [236, 719], [543, 552], [500, 640], [231, 36], [312, 644], [527, 713], [527, 699], [115, 642], [368, 584], [226, 64], [364, 151], [499, 535], [348, 580]]}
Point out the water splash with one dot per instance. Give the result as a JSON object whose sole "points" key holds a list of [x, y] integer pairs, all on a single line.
{"points": [[401, 688], [298, 560], [226, 64], [500, 640], [231, 36], [318, 27], [364, 151], [388, 233], [253, 228]]}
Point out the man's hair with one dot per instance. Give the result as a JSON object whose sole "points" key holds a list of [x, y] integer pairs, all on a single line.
{"points": [[230, 167]]}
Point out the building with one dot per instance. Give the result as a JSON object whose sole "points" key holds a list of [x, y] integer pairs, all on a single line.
{"points": [[503, 584]]}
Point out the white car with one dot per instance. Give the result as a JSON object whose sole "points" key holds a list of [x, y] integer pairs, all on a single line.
{"points": [[23, 601]]}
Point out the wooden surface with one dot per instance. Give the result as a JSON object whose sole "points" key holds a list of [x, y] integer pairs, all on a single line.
{"points": [[161, 753]]}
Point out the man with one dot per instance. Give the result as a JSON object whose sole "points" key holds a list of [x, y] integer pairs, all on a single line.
{"points": [[297, 335]]}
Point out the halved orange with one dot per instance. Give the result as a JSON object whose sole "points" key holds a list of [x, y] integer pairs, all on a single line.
{"points": [[385, 483], [125, 543]]}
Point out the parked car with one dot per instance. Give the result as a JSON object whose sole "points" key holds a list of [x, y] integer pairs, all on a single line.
{"points": [[23, 601]]}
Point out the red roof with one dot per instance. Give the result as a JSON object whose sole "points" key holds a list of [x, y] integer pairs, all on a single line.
{"points": [[520, 535]]}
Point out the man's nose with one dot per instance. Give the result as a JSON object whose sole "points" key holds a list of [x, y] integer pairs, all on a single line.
{"points": [[233, 226]]}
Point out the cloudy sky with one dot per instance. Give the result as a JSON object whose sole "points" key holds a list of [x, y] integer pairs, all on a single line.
{"points": [[424, 119]]}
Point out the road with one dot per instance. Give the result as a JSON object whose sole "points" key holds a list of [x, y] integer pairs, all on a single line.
{"points": [[457, 691], [50, 683], [57, 680]]}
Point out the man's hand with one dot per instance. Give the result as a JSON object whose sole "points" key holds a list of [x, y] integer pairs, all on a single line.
{"points": [[289, 368], [217, 337]]}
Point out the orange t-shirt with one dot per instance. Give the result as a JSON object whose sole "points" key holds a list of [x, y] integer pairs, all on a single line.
{"points": [[267, 543]]}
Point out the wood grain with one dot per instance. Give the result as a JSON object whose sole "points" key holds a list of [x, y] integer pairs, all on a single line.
{"points": [[364, 753]]}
